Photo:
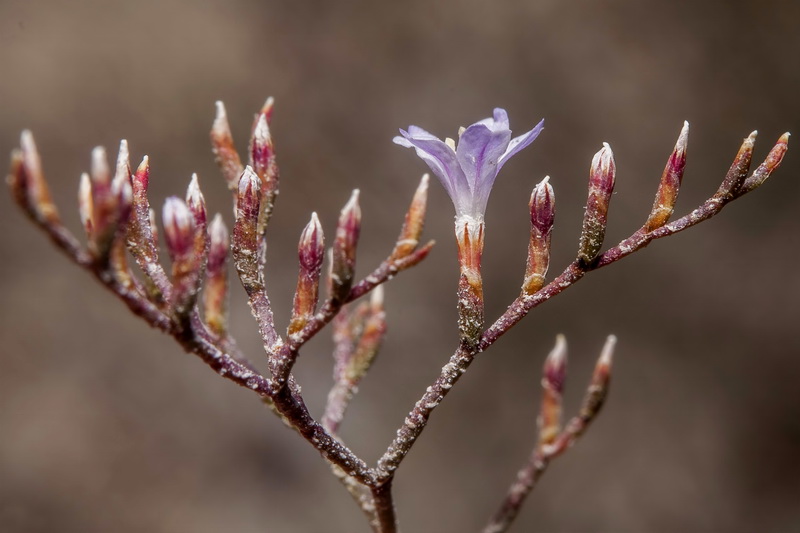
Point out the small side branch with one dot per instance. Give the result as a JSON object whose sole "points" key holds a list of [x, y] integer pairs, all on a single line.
{"points": [[548, 448]]}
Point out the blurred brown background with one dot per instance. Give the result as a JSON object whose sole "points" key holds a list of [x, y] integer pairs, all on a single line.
{"points": [[106, 426]]}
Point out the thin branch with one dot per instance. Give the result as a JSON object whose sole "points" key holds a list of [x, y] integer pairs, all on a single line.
{"points": [[384, 507], [545, 451]]}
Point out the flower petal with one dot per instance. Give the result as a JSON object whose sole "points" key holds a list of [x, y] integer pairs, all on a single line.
{"points": [[518, 143], [479, 150], [441, 159]]}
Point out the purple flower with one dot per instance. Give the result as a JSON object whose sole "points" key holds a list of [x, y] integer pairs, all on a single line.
{"points": [[468, 170]]}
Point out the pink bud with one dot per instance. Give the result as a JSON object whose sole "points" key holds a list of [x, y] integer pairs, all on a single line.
{"points": [[408, 240], [542, 208], [311, 250], [670, 184], [555, 371], [224, 149], [178, 227], [770, 164], [602, 175], [344, 248], [196, 202], [85, 204], [220, 243]]}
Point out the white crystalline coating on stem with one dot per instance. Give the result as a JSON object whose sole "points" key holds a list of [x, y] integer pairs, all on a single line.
{"points": [[376, 298]]}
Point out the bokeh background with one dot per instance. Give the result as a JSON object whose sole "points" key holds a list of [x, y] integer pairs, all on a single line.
{"points": [[105, 425]]}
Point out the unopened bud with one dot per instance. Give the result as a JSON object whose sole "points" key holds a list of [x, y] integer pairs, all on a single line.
{"points": [[311, 249], [311, 252], [121, 186], [542, 209], [100, 171], [105, 204], [86, 205], [770, 164], [599, 385], [224, 150], [180, 236], [178, 227], [408, 240], [123, 168], [737, 174], [215, 295], [262, 159], [245, 238], [670, 184], [262, 149], [38, 193], [343, 262], [601, 184], [196, 202], [370, 341], [555, 372], [141, 235]]}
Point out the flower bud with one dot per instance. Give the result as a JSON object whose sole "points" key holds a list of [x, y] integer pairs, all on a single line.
{"points": [[215, 295], [770, 164], [343, 261], [224, 149], [178, 228], [197, 205], [670, 184], [542, 210], [196, 202], [555, 372], [179, 235], [31, 180], [121, 186], [118, 260], [599, 385], [245, 238], [141, 235], [601, 184], [737, 174], [262, 159], [311, 252], [370, 340], [408, 240], [105, 204], [86, 204]]}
